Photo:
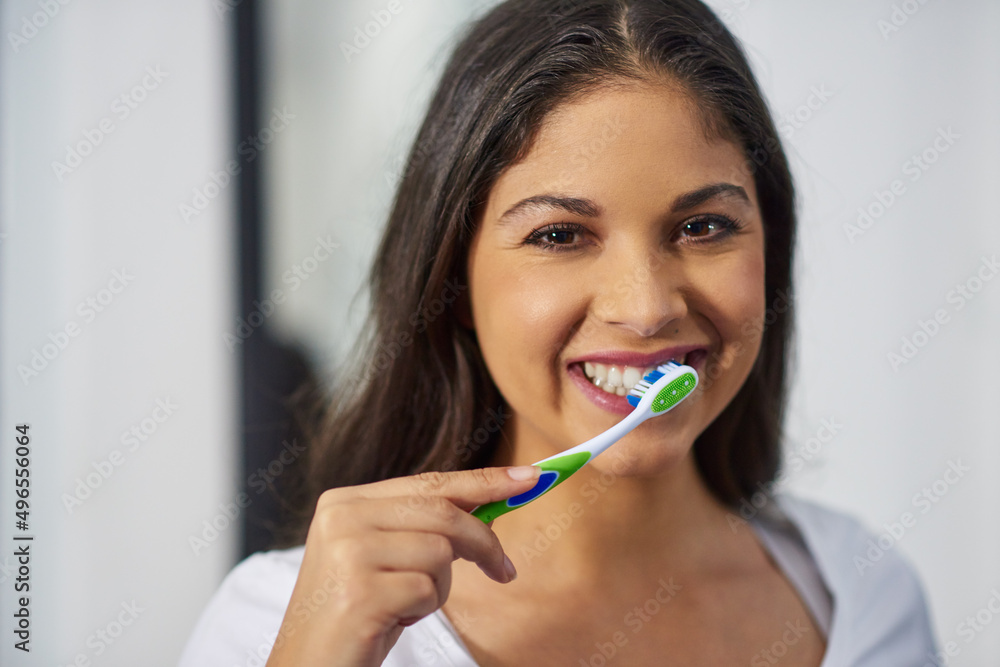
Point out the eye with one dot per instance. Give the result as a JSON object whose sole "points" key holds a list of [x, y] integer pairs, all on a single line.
{"points": [[558, 237], [707, 228]]}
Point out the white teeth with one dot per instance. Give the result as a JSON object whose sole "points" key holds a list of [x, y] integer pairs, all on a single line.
{"points": [[600, 376], [619, 379], [615, 379]]}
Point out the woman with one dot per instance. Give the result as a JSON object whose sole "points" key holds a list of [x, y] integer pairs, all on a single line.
{"points": [[597, 187]]}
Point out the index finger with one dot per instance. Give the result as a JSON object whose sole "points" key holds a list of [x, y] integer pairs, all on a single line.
{"points": [[466, 488]]}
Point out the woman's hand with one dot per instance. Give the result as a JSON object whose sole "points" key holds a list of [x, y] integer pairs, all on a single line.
{"points": [[378, 558]]}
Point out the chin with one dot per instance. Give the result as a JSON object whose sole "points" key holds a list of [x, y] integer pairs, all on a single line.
{"points": [[644, 453]]}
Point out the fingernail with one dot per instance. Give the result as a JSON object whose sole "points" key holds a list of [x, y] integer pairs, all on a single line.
{"points": [[509, 568], [521, 473]]}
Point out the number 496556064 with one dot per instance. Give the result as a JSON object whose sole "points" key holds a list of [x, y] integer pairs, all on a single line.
{"points": [[22, 474]]}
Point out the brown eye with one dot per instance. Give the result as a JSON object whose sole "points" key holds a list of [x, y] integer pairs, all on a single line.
{"points": [[565, 236], [559, 236], [710, 228], [699, 228]]}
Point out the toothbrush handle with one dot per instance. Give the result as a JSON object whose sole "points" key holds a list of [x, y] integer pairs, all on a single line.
{"points": [[555, 470], [602, 441]]}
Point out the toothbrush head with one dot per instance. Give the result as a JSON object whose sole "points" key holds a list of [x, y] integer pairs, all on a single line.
{"points": [[663, 388]]}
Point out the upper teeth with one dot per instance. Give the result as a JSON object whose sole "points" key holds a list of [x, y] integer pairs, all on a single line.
{"points": [[618, 379]]}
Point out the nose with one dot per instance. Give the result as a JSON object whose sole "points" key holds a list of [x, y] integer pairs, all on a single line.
{"points": [[644, 298]]}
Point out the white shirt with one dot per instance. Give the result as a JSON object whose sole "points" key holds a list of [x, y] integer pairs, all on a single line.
{"points": [[872, 611]]}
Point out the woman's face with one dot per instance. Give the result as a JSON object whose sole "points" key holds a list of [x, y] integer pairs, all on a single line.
{"points": [[623, 239]]}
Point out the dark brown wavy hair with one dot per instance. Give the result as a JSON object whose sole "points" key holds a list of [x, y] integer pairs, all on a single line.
{"points": [[419, 397]]}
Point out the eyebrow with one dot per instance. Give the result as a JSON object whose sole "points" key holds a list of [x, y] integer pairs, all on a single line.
{"points": [[589, 209]]}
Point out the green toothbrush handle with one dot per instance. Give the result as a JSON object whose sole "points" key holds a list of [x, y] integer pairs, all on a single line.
{"points": [[554, 472]]}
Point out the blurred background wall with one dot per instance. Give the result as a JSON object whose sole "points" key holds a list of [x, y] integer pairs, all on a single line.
{"points": [[111, 115], [888, 112]]}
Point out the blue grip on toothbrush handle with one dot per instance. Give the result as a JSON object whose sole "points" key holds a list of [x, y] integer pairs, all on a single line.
{"points": [[554, 472]]}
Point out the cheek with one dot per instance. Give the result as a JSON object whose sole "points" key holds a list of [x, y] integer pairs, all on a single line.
{"points": [[733, 295], [744, 299], [521, 319]]}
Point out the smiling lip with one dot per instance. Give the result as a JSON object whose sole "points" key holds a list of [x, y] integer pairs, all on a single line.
{"points": [[619, 404], [624, 358]]}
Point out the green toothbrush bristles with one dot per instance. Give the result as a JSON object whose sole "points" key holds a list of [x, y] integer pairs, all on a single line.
{"points": [[674, 392]]}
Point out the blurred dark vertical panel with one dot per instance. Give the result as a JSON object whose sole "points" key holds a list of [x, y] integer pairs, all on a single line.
{"points": [[270, 372], [247, 107]]}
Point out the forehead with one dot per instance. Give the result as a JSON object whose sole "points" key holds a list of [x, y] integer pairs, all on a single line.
{"points": [[631, 140]]}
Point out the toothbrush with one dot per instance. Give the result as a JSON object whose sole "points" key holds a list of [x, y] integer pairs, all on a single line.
{"points": [[654, 395]]}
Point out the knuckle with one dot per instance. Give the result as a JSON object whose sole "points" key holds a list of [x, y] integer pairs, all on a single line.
{"points": [[488, 544], [330, 520], [493, 547], [429, 482], [349, 552], [370, 631], [440, 547], [484, 476], [329, 498], [355, 592], [422, 588], [443, 509]]}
